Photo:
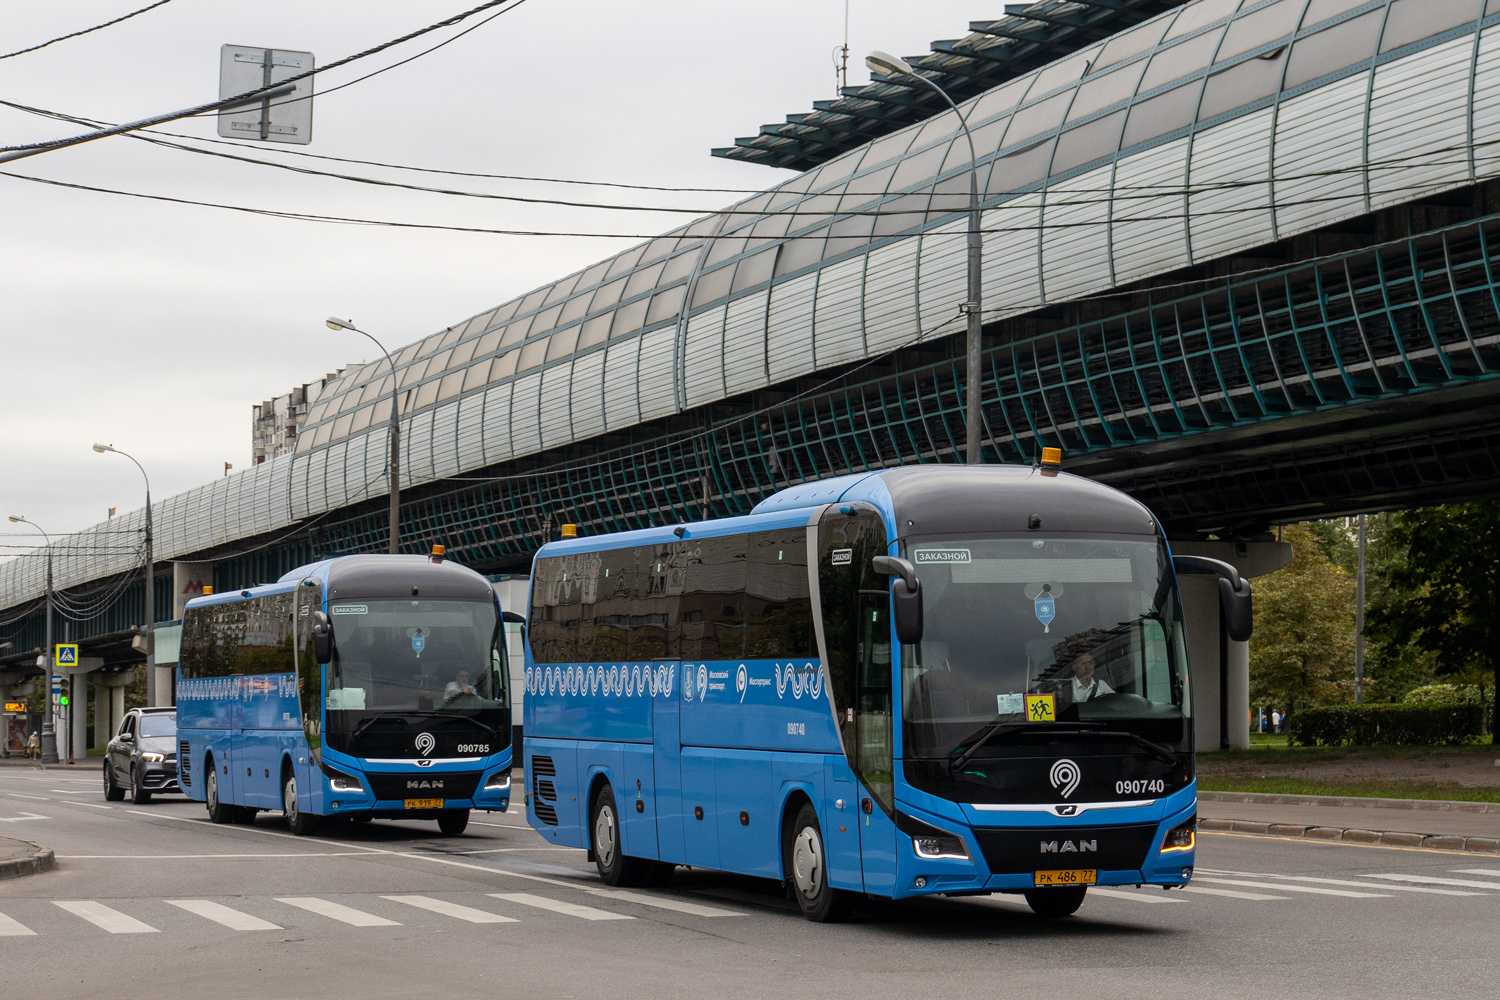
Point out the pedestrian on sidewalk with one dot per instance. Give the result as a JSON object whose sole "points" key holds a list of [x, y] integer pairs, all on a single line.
{"points": [[1275, 721], [33, 747]]}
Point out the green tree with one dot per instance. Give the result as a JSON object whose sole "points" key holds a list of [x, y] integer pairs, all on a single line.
{"points": [[1448, 573], [1302, 651]]}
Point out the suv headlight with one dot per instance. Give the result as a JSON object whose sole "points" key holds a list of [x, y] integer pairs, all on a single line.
{"points": [[152, 758], [497, 782], [1181, 837]]}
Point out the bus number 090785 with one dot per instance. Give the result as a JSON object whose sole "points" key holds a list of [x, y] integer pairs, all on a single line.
{"points": [[1138, 787]]}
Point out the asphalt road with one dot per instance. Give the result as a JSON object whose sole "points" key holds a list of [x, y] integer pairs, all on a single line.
{"points": [[154, 901]]}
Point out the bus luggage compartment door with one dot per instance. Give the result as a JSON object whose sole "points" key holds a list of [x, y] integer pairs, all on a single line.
{"points": [[700, 828], [667, 758], [840, 818]]}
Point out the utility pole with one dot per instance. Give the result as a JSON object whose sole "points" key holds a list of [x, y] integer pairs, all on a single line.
{"points": [[334, 323], [148, 631], [49, 731], [1359, 620]]}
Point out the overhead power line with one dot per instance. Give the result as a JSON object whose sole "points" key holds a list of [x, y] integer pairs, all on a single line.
{"points": [[85, 31]]}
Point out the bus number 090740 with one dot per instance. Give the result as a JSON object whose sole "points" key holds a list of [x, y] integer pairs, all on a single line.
{"points": [[1138, 787]]}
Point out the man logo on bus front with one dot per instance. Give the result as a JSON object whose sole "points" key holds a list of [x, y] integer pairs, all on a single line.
{"points": [[426, 743]]}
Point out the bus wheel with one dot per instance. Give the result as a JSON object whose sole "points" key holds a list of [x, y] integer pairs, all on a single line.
{"points": [[807, 863], [453, 822], [614, 867], [1061, 902], [218, 811], [300, 823]]}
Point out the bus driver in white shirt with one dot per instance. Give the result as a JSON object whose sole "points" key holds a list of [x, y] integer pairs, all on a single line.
{"points": [[1085, 684]]}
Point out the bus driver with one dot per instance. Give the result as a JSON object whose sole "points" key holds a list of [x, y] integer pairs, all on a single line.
{"points": [[458, 687], [1085, 684]]}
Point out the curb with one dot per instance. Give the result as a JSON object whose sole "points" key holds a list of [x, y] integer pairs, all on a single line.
{"points": [[1266, 798], [40, 860], [1480, 845]]}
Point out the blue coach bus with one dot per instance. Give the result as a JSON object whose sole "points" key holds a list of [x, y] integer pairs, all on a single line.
{"points": [[362, 687], [928, 680]]}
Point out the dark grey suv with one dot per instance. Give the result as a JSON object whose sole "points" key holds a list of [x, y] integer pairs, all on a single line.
{"points": [[143, 755]]}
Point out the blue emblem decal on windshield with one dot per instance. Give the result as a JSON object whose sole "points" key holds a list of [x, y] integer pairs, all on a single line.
{"points": [[1046, 607], [418, 641]]}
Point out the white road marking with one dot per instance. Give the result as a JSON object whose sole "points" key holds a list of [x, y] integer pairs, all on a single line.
{"points": [[448, 909], [105, 918], [22, 818], [1433, 880], [665, 903], [1232, 893], [10, 927], [221, 914], [1299, 888], [72, 791], [1478, 871], [91, 805], [1342, 881], [502, 826], [558, 906], [1134, 897], [38, 798], [336, 911]]}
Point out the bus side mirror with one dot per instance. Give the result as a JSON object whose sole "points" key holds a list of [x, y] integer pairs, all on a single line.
{"points": [[1234, 592], [514, 619], [906, 597], [322, 637]]}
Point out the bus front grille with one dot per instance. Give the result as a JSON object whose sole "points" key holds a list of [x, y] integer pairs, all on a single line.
{"points": [[543, 791], [1104, 848]]}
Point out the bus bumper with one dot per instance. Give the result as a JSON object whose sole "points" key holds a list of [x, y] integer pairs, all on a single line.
{"points": [[1005, 853]]}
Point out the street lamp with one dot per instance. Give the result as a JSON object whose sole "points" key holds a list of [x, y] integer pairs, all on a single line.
{"points": [[152, 692], [334, 323], [886, 64], [49, 734]]}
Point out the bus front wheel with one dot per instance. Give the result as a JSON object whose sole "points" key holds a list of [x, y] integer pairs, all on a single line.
{"points": [[807, 866], [609, 857], [300, 823], [453, 822], [1060, 902]]}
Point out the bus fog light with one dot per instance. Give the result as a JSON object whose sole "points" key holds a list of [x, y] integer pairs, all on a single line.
{"points": [[1187, 873], [1181, 837], [497, 782], [920, 882]]}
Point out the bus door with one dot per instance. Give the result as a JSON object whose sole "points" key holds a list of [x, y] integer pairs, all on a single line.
{"points": [[855, 604], [666, 740]]}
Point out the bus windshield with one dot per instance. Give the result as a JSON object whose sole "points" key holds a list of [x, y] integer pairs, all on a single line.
{"points": [[1091, 625], [398, 659]]}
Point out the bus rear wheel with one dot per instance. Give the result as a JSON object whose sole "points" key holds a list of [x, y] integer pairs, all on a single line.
{"points": [[453, 822], [609, 857], [219, 811], [1053, 903], [807, 867]]}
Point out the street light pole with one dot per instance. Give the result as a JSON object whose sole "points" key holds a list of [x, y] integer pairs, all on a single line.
{"points": [[153, 694], [334, 323], [888, 65], [49, 733]]}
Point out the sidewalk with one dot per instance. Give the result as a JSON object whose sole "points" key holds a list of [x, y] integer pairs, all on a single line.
{"points": [[1454, 826], [18, 858], [81, 764]]}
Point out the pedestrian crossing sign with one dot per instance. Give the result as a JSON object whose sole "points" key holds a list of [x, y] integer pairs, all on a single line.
{"points": [[67, 654]]}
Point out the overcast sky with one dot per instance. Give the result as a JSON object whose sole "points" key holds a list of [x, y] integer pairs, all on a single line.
{"points": [[156, 327]]}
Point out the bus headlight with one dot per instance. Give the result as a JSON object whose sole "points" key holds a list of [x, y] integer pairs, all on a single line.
{"points": [[340, 782], [931, 843], [498, 782], [1181, 837]]}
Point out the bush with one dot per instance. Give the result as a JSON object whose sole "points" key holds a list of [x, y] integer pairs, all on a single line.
{"points": [[1373, 725], [1449, 694]]}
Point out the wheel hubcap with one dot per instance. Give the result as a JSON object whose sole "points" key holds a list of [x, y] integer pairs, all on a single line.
{"points": [[807, 861], [289, 799], [604, 836], [213, 791]]}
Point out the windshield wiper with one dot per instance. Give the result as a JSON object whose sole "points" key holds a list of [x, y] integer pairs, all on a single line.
{"points": [[1060, 729], [366, 723]]}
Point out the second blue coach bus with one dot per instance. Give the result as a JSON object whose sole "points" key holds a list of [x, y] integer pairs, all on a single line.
{"points": [[938, 679], [369, 686]]}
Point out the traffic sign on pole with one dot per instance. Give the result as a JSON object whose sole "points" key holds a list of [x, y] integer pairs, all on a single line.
{"points": [[67, 654], [244, 68]]}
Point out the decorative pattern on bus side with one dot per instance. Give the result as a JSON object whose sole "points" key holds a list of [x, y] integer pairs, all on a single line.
{"points": [[615, 680], [543, 791]]}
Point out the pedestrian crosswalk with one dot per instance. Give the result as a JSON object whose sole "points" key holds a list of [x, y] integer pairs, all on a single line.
{"points": [[280, 912], [372, 912]]}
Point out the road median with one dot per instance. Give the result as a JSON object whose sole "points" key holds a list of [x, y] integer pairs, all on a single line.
{"points": [[19, 857], [1430, 823]]}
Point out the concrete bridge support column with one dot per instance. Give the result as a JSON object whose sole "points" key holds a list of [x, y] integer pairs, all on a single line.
{"points": [[1221, 666], [78, 708], [109, 705]]}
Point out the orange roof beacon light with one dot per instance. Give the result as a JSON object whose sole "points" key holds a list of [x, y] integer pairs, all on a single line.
{"points": [[1051, 461], [570, 531], [438, 553], [208, 590]]}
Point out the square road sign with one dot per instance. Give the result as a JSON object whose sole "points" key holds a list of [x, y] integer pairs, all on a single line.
{"points": [[67, 654], [243, 68]]}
